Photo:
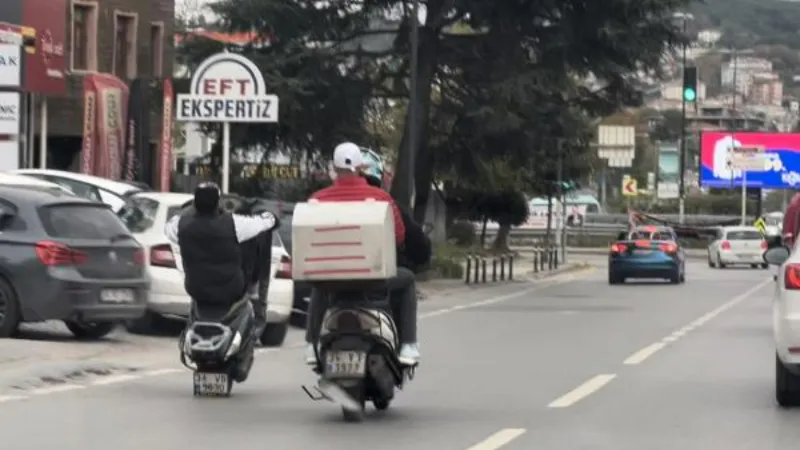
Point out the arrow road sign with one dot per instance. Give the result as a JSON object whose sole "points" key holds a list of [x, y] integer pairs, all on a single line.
{"points": [[629, 186]]}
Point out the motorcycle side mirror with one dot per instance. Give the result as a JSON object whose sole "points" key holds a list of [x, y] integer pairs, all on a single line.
{"points": [[621, 236], [427, 227]]}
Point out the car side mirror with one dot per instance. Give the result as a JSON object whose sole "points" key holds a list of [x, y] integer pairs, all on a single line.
{"points": [[776, 256], [621, 236]]}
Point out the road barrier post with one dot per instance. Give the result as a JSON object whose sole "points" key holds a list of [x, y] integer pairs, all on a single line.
{"points": [[502, 269], [483, 270], [494, 269], [510, 267], [469, 269]]}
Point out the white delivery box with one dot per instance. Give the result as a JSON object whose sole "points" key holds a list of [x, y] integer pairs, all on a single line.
{"points": [[343, 241]]}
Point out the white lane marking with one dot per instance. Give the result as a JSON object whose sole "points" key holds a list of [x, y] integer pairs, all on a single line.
{"points": [[579, 393], [646, 352], [554, 281], [11, 398], [114, 379], [57, 388], [641, 355], [499, 439]]}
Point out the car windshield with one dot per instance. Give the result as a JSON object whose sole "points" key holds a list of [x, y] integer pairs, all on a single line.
{"points": [[773, 221], [744, 235], [139, 214], [73, 221], [651, 235]]}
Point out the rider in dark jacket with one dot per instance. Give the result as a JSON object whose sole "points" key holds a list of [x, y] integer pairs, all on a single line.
{"points": [[210, 243]]}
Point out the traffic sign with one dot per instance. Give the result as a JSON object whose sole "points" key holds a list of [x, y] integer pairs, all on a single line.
{"points": [[761, 225], [629, 186]]}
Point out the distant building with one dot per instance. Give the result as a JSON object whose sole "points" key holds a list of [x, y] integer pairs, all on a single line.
{"points": [[765, 89], [708, 38], [741, 70]]}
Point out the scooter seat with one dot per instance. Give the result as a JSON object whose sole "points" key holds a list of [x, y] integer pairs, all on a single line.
{"points": [[215, 313]]}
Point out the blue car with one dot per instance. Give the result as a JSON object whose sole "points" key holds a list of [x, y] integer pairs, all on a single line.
{"points": [[647, 252]]}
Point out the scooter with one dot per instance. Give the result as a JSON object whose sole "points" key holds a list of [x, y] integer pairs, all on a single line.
{"points": [[219, 347], [357, 353]]}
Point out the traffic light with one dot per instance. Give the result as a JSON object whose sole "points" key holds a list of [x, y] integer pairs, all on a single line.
{"points": [[690, 84]]}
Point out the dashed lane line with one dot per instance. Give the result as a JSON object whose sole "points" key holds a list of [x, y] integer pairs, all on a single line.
{"points": [[499, 439], [588, 388], [642, 355]]}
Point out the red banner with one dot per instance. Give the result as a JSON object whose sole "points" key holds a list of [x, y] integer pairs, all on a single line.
{"points": [[105, 105], [45, 64], [165, 166]]}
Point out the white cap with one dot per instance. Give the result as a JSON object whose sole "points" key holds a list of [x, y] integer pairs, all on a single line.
{"points": [[347, 156]]}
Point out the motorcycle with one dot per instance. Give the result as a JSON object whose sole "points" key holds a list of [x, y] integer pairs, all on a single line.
{"points": [[357, 351], [219, 347]]}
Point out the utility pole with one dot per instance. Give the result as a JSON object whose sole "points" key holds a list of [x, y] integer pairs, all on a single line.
{"points": [[561, 234], [682, 154], [413, 104]]}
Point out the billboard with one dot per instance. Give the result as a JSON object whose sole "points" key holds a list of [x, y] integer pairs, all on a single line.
{"points": [[781, 160]]}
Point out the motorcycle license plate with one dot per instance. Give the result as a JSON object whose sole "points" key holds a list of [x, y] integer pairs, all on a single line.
{"points": [[345, 364], [211, 384]]}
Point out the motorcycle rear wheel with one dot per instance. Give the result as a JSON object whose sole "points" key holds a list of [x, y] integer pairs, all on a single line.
{"points": [[357, 415]]}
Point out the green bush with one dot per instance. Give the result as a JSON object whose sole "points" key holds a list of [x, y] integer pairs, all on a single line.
{"points": [[462, 234], [447, 261]]}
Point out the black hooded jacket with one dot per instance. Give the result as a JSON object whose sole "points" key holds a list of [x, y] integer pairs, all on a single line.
{"points": [[416, 251]]}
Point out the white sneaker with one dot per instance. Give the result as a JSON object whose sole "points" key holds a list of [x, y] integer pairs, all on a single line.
{"points": [[409, 354], [311, 355]]}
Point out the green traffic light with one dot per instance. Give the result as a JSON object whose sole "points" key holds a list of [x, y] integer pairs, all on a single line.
{"points": [[689, 95]]}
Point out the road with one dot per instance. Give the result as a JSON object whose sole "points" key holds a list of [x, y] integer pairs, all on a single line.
{"points": [[567, 364]]}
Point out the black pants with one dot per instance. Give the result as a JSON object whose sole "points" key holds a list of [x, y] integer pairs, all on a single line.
{"points": [[404, 308]]}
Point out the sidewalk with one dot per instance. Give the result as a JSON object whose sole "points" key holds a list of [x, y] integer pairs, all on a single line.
{"points": [[694, 253]]}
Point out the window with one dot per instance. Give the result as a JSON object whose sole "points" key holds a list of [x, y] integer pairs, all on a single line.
{"points": [[139, 214], [84, 190], [125, 45], [745, 235], [75, 221], [156, 49], [84, 36]]}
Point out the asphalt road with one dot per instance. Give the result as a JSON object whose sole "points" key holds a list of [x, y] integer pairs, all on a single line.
{"points": [[568, 364]]}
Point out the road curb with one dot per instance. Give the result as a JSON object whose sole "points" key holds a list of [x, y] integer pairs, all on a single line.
{"points": [[569, 268], [691, 253]]}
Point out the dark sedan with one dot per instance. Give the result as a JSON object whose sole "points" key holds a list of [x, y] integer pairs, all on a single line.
{"points": [[67, 258]]}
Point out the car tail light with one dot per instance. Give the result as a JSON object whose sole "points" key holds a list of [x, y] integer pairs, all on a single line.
{"points": [[791, 277], [726, 245], [617, 248], [162, 256], [57, 254], [138, 257], [284, 268], [764, 245], [669, 247]]}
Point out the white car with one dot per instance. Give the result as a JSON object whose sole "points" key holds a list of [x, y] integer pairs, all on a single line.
{"points": [[786, 325], [110, 192], [737, 245], [146, 214], [9, 179]]}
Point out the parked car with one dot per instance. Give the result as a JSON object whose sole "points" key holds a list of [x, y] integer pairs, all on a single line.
{"points": [[146, 214], [110, 192], [741, 245], [66, 258], [10, 179]]}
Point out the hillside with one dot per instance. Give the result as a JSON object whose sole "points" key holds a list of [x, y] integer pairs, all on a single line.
{"points": [[747, 23]]}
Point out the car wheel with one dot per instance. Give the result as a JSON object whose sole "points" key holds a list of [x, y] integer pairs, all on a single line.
{"points": [[274, 334], [787, 385], [683, 276], [719, 262], [613, 278], [89, 330], [710, 262], [10, 315], [676, 277], [765, 266]]}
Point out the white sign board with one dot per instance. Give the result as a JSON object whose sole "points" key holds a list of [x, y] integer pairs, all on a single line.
{"points": [[9, 113], [667, 190], [10, 66], [616, 144], [227, 87], [748, 159]]}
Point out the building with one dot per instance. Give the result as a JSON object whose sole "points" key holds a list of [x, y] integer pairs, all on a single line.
{"points": [[129, 39], [766, 89], [740, 70]]}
